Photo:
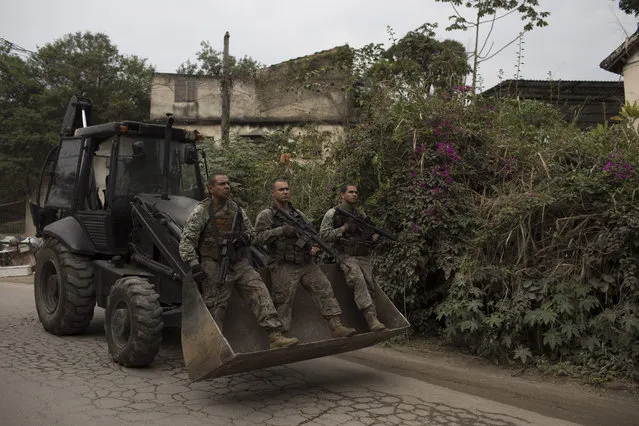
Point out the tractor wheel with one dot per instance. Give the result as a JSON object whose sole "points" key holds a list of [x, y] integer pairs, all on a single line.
{"points": [[64, 290], [133, 322]]}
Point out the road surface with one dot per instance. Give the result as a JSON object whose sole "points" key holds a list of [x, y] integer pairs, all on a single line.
{"points": [[45, 379]]}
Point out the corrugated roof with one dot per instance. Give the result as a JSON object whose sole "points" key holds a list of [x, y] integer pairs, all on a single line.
{"points": [[555, 83], [617, 59]]}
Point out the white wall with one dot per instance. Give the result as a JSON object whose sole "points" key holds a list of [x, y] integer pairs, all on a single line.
{"points": [[631, 79]]}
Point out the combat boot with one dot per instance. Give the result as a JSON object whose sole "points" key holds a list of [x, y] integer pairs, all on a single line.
{"points": [[371, 319], [276, 340], [338, 330]]}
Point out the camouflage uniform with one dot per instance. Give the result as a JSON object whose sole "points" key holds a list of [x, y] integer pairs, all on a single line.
{"points": [[355, 249], [199, 245], [293, 265]]}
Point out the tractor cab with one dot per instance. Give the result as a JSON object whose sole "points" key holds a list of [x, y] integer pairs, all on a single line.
{"points": [[92, 177]]}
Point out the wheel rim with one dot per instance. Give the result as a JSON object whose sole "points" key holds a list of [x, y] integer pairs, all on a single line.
{"points": [[50, 287], [121, 324]]}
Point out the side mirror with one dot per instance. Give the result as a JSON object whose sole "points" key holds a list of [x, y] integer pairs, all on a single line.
{"points": [[190, 155]]}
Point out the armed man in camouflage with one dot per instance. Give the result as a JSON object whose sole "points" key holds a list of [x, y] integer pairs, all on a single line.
{"points": [[355, 248], [200, 247], [294, 264]]}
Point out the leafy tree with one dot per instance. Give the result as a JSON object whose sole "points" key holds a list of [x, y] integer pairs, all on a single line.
{"points": [[413, 68], [88, 63], [35, 91], [419, 58], [631, 7], [23, 129], [209, 62], [488, 12]]}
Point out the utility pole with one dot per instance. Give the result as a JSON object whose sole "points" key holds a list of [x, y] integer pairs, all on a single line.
{"points": [[226, 95]]}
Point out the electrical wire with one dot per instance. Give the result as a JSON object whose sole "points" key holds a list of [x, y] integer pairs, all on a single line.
{"points": [[16, 48]]}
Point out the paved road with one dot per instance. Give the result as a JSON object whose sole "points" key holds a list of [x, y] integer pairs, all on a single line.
{"points": [[45, 379]]}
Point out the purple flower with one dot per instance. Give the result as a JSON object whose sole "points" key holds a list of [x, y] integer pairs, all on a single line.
{"points": [[448, 150], [617, 167]]}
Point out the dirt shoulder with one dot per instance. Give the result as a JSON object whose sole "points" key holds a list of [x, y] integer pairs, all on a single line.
{"points": [[559, 397]]}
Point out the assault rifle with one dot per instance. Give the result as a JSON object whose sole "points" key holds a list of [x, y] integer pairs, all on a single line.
{"points": [[227, 251], [307, 234], [369, 227]]}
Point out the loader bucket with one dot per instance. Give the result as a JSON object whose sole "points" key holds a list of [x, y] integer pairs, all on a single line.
{"points": [[243, 346]]}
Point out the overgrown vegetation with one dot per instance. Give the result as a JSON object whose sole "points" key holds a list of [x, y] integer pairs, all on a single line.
{"points": [[285, 152], [518, 231]]}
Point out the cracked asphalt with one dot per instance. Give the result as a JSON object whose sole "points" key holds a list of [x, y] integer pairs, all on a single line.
{"points": [[45, 379]]}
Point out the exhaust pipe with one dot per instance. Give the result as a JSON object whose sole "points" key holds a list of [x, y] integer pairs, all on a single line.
{"points": [[167, 156]]}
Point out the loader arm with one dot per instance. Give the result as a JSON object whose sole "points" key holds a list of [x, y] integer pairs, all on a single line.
{"points": [[167, 246]]}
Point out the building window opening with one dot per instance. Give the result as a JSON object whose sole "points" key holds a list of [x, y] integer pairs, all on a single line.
{"points": [[185, 90]]}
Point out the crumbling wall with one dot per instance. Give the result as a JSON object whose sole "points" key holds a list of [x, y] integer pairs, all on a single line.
{"points": [[207, 106], [312, 89]]}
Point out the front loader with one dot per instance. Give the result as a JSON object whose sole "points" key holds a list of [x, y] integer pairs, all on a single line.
{"points": [[112, 202]]}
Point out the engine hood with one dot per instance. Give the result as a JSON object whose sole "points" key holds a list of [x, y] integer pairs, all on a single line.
{"points": [[178, 207]]}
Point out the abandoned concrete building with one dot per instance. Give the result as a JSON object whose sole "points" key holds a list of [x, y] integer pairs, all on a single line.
{"points": [[309, 90]]}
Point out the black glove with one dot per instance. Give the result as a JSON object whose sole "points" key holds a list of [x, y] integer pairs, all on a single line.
{"points": [[198, 273], [289, 231], [243, 240], [351, 226]]}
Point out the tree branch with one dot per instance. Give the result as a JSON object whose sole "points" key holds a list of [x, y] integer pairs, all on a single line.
{"points": [[492, 25], [497, 52]]}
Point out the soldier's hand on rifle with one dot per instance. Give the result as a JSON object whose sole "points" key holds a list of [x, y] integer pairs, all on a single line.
{"points": [[198, 274], [315, 250], [351, 226], [289, 231], [242, 240]]}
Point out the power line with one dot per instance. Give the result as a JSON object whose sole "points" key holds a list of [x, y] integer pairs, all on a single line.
{"points": [[16, 47]]}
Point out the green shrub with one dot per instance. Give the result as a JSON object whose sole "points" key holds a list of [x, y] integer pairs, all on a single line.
{"points": [[518, 232]]}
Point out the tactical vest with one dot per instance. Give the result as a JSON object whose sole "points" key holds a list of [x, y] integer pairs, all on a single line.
{"points": [[353, 243], [285, 248], [209, 245]]}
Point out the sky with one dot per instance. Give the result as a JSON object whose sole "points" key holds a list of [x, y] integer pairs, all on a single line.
{"points": [[579, 35]]}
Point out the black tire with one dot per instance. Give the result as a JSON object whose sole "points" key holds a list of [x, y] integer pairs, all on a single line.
{"points": [[63, 288], [133, 322]]}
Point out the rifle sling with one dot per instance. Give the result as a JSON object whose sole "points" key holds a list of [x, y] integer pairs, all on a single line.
{"points": [[212, 216]]}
